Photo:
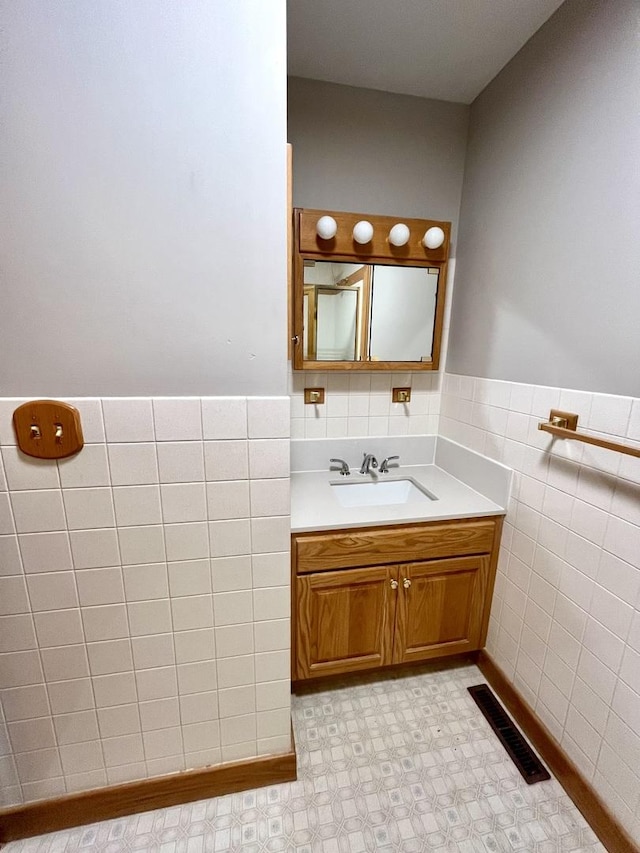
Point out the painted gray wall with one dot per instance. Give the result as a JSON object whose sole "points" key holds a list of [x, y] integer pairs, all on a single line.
{"points": [[143, 185], [547, 277], [366, 151]]}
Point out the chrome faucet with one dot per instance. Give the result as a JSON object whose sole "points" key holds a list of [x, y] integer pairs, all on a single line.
{"points": [[384, 468], [368, 463], [344, 468]]}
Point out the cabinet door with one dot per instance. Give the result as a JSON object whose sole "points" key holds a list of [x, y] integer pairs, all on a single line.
{"points": [[345, 620], [440, 607]]}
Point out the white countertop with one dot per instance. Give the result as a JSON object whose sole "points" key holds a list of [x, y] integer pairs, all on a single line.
{"points": [[314, 505]]}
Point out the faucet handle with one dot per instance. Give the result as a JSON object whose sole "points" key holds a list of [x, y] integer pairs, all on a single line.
{"points": [[384, 468], [344, 468]]}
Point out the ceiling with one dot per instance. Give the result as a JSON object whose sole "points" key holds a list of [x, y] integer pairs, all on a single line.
{"points": [[444, 49]]}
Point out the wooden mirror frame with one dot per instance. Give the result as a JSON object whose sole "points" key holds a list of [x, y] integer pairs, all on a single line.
{"points": [[342, 247]]}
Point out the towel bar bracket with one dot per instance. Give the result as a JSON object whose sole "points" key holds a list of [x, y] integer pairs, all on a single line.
{"points": [[564, 420]]}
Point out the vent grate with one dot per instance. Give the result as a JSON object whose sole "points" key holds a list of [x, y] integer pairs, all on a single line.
{"points": [[519, 751]]}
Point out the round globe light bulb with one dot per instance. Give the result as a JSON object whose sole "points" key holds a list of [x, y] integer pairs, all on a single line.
{"points": [[326, 227], [399, 235], [434, 238], [363, 231]]}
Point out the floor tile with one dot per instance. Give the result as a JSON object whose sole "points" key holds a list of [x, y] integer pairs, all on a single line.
{"points": [[398, 764]]}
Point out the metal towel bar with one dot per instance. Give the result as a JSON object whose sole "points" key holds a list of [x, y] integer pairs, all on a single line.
{"points": [[564, 425]]}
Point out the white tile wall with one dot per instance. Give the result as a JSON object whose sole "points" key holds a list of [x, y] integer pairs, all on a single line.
{"points": [[144, 584], [565, 624], [359, 404], [144, 594]]}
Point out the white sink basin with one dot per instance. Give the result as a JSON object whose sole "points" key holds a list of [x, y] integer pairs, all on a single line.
{"points": [[381, 493]]}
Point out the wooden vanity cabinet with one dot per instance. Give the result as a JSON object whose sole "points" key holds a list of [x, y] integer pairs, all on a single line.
{"points": [[441, 612], [345, 620], [362, 600]]}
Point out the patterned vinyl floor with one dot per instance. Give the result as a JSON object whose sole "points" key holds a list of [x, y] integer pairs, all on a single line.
{"points": [[403, 763]]}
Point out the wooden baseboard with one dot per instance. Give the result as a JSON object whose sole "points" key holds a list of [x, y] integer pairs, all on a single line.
{"points": [[610, 832], [145, 795], [367, 676]]}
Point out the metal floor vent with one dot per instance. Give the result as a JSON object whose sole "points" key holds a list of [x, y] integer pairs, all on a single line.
{"points": [[520, 752]]}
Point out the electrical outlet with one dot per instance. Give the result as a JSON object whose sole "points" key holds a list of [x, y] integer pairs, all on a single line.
{"points": [[401, 395], [314, 395]]}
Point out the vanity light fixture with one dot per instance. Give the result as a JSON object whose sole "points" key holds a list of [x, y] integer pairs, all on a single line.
{"points": [[363, 232], [433, 238], [399, 235], [374, 247], [326, 227]]}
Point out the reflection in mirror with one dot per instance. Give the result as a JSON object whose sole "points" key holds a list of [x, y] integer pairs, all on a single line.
{"points": [[362, 312], [336, 310], [403, 313], [334, 301]]}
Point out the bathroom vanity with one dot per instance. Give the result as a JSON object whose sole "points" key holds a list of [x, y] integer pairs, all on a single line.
{"points": [[375, 583]]}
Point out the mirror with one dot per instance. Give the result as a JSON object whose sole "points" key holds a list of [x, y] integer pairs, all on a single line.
{"points": [[374, 306], [368, 312]]}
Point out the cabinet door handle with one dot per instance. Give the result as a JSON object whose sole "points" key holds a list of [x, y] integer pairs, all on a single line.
{"points": [[394, 584], [406, 583]]}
